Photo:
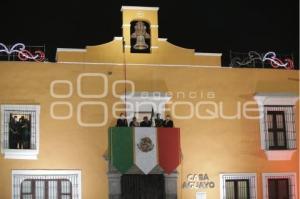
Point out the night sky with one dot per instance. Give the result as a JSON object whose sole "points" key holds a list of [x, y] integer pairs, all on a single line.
{"points": [[207, 26]]}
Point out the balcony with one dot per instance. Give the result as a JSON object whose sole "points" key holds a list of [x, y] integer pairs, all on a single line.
{"points": [[140, 151]]}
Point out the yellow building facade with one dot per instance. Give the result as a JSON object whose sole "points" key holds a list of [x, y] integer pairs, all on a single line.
{"points": [[77, 99]]}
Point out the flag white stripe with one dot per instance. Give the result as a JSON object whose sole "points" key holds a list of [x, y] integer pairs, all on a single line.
{"points": [[145, 160]]}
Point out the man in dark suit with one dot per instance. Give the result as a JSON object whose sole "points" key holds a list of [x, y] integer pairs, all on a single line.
{"points": [[13, 133], [25, 132], [134, 123], [158, 121], [168, 123], [122, 121], [146, 122]]}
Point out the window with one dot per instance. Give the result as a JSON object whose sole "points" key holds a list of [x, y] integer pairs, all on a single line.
{"points": [[277, 124], [280, 127], [238, 186], [39, 184], [46, 188], [237, 189], [279, 186], [20, 131]]}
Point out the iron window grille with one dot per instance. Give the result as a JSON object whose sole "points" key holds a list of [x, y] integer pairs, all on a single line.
{"points": [[24, 145], [46, 188], [278, 188], [37, 184], [238, 186], [279, 185], [279, 128], [237, 189]]}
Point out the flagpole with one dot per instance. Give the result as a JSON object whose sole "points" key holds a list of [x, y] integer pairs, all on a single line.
{"points": [[125, 74]]}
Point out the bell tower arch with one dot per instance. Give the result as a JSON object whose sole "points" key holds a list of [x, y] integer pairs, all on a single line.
{"points": [[140, 28]]}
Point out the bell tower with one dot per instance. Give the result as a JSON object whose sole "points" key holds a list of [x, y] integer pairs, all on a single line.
{"points": [[140, 29]]}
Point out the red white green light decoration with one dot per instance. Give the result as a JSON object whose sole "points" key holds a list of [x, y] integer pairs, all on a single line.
{"points": [[22, 53], [269, 57], [276, 62]]}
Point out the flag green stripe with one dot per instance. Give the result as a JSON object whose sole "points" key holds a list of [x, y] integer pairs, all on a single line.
{"points": [[121, 148]]}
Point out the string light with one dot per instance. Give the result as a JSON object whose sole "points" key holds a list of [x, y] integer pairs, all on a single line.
{"points": [[270, 57], [22, 53]]}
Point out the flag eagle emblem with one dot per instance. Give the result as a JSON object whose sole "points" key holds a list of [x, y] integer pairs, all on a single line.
{"points": [[145, 145]]}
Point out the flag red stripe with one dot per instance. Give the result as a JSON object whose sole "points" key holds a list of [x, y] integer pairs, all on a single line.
{"points": [[169, 148]]}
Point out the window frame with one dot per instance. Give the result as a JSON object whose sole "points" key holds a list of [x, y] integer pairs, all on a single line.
{"points": [[46, 181], [265, 100], [235, 186], [251, 177], [292, 177], [276, 180], [32, 174], [30, 154], [275, 130]]}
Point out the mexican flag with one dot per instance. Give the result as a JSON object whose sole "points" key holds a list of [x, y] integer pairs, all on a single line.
{"points": [[144, 147]]}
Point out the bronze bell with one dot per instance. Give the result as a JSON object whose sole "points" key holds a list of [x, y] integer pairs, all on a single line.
{"points": [[140, 35]]}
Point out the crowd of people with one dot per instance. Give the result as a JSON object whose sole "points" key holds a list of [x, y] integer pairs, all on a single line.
{"points": [[19, 133], [167, 123]]}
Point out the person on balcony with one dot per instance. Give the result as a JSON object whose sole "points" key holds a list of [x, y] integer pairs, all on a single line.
{"points": [[25, 132], [134, 123], [168, 123], [158, 121], [146, 122], [14, 135], [122, 121]]}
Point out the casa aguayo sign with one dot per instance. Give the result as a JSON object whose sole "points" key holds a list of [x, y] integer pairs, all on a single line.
{"points": [[198, 181]]}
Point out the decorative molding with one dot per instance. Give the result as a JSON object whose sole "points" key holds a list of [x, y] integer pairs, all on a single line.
{"points": [[208, 54], [276, 98], [162, 39], [46, 172], [279, 154], [118, 38], [140, 64], [23, 154], [139, 8]]}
